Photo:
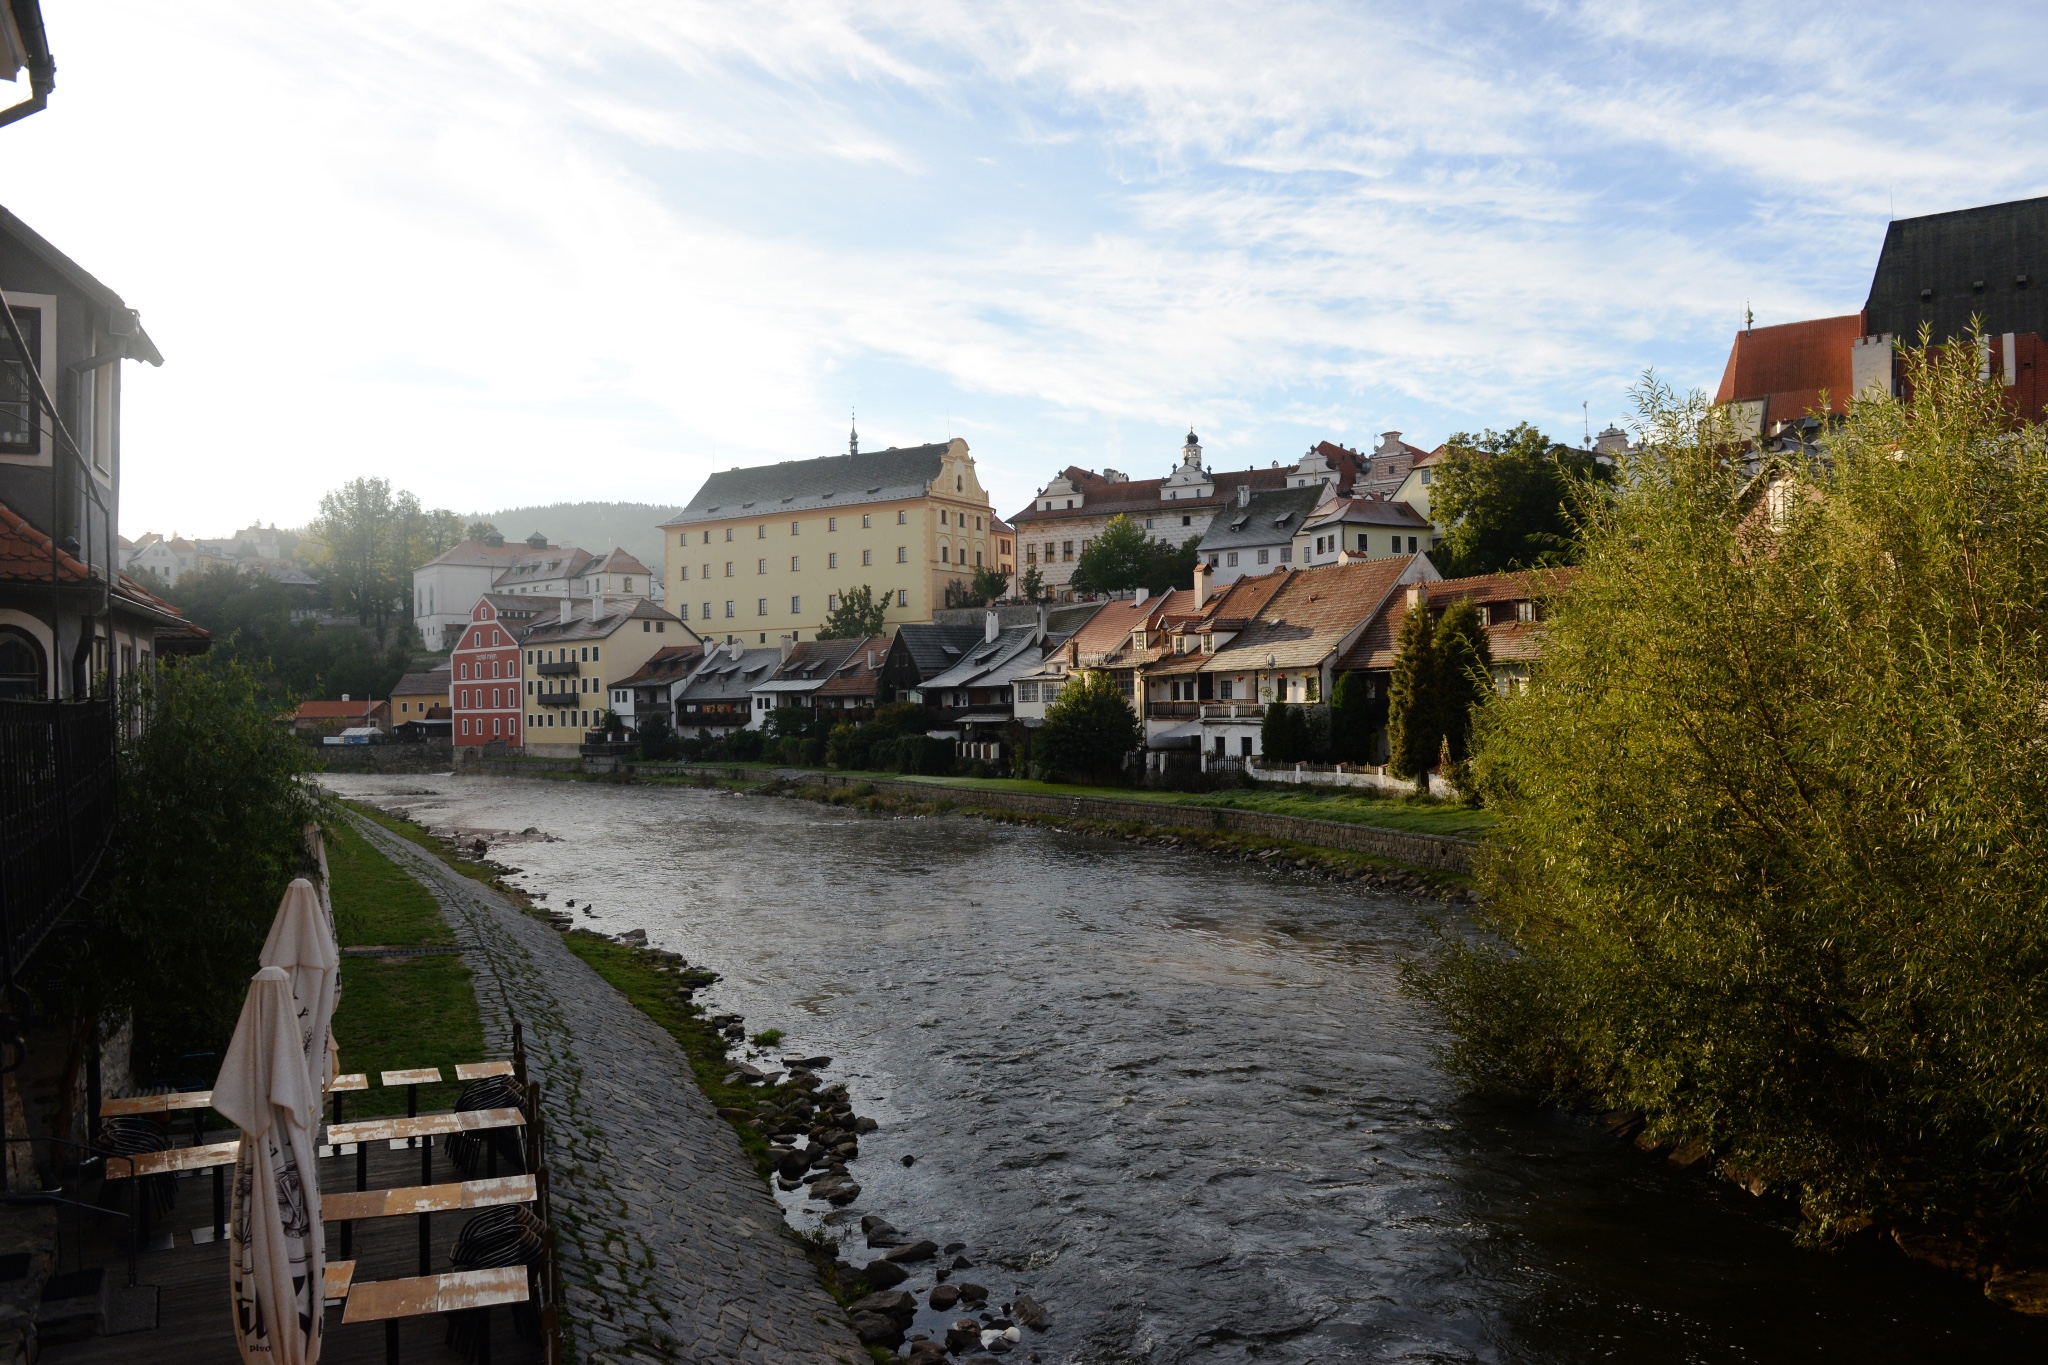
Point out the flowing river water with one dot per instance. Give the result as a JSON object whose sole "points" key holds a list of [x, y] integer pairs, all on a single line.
{"points": [[1183, 1101]]}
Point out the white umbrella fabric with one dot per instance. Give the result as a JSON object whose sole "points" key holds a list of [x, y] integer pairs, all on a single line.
{"points": [[277, 1255], [302, 943]]}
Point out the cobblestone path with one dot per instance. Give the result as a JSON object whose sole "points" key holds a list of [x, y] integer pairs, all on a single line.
{"points": [[671, 1248]]}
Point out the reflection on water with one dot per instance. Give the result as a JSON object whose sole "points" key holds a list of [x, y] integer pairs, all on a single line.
{"points": [[1184, 1103]]}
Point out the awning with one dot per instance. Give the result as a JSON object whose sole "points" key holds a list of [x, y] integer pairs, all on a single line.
{"points": [[1185, 730], [789, 685]]}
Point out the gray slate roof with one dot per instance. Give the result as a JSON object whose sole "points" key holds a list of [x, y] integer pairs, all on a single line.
{"points": [[550, 629], [1270, 519], [1013, 653], [422, 684], [1949, 254], [729, 679], [814, 485], [935, 648]]}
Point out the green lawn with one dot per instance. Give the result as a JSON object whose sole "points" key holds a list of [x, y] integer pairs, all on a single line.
{"points": [[1322, 803], [403, 1012]]}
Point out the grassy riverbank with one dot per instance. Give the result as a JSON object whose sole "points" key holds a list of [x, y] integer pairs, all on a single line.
{"points": [[402, 1011]]}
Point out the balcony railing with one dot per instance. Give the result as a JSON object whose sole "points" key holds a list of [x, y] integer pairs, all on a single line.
{"points": [[1204, 710], [562, 698], [56, 814], [559, 667]]}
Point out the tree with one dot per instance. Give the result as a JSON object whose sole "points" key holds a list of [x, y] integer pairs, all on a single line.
{"points": [[1032, 585], [478, 529], [1769, 812], [1462, 683], [988, 586], [1511, 500], [1286, 734], [214, 802], [1116, 560], [265, 627], [1171, 568], [1351, 720], [1414, 731], [859, 614], [1088, 729]]}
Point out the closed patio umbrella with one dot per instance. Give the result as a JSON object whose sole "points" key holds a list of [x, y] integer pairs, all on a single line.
{"points": [[277, 1255], [302, 943]]}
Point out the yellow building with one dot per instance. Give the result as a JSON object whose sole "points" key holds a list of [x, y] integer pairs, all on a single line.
{"points": [[765, 552], [572, 657], [418, 693]]}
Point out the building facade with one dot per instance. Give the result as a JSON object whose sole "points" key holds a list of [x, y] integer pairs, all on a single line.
{"points": [[575, 658], [764, 552], [446, 588], [484, 681]]}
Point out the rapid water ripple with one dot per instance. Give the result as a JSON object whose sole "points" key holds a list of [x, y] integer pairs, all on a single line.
{"points": [[1183, 1102]]}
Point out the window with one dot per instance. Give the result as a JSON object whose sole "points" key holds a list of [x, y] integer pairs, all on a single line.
{"points": [[1425, 478], [867, 557], [1212, 559], [942, 516], [1187, 521], [685, 572], [465, 725], [977, 523], [1066, 551], [1265, 556], [1362, 547], [728, 533], [902, 554], [529, 689], [796, 606], [728, 568], [1411, 545], [866, 520], [728, 609], [831, 523], [1148, 523], [1231, 559], [943, 550], [794, 526], [595, 654], [761, 531], [1224, 689], [497, 726], [902, 518], [1244, 745], [1397, 544], [21, 427], [760, 606], [1286, 554], [902, 597], [1312, 687], [1030, 554], [462, 671], [831, 601], [977, 559], [707, 613], [1027, 691]]}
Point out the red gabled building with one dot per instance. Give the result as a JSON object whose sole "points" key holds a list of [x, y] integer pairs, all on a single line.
{"points": [[484, 682]]}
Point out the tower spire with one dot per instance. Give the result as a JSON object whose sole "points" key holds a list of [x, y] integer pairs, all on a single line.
{"points": [[852, 434]]}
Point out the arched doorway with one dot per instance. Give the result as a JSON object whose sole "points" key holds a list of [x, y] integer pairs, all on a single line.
{"points": [[23, 676]]}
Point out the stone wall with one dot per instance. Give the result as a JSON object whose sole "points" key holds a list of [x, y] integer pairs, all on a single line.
{"points": [[432, 756]]}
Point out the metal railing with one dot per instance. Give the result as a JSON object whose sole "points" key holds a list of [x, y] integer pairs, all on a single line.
{"points": [[56, 815]]}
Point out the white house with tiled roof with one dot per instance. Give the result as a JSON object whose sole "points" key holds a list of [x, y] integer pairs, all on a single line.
{"points": [[448, 586]]}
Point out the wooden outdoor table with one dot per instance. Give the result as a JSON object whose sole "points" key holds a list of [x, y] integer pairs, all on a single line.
{"points": [[346, 1206], [461, 1194], [387, 1301], [425, 1127], [156, 1104], [476, 1071], [354, 1080], [419, 1075], [215, 1155], [340, 1275]]}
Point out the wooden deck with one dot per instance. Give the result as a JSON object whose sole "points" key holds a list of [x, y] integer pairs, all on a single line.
{"points": [[192, 1280]]}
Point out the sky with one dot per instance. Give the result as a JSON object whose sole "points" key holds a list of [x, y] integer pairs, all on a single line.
{"points": [[515, 253]]}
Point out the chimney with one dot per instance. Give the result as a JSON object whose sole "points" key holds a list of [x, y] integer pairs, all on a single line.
{"points": [[787, 646], [1138, 598], [990, 629], [344, 696], [596, 604], [1418, 595], [1201, 583], [566, 616], [871, 661], [1244, 495], [1038, 638]]}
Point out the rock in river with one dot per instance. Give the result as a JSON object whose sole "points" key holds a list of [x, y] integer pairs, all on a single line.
{"points": [[883, 1274], [916, 1251], [1031, 1313], [944, 1296], [963, 1336]]}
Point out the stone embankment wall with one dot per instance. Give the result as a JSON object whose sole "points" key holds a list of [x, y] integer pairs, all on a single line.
{"points": [[432, 756], [1444, 852]]}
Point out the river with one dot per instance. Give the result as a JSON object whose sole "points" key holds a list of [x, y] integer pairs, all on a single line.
{"points": [[1183, 1102]]}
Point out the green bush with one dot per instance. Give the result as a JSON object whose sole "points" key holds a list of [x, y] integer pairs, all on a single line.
{"points": [[1770, 811], [1087, 732], [213, 807], [742, 746], [921, 754], [1352, 720]]}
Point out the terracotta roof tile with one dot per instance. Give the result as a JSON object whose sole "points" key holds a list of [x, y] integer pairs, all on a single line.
{"points": [[25, 553], [1788, 365], [1510, 640]]}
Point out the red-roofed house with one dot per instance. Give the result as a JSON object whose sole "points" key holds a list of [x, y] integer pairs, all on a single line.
{"points": [[1778, 375], [332, 717]]}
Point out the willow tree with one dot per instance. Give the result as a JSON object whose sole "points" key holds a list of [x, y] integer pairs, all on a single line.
{"points": [[1768, 866]]}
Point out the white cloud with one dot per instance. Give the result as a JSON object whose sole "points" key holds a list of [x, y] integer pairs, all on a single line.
{"points": [[508, 253]]}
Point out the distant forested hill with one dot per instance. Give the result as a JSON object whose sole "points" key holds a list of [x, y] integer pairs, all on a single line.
{"points": [[595, 526]]}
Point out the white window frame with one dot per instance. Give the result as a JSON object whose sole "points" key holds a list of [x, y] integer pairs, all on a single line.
{"points": [[46, 304]]}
